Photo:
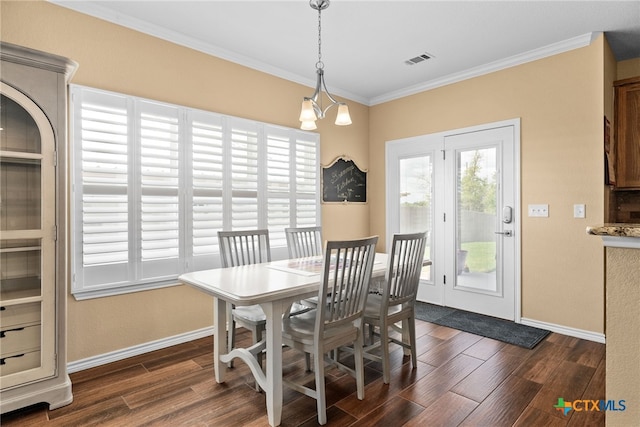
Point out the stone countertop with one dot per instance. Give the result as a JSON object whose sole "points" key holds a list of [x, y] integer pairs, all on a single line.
{"points": [[615, 230]]}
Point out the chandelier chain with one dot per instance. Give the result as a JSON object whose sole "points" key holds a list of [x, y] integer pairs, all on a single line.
{"points": [[319, 64]]}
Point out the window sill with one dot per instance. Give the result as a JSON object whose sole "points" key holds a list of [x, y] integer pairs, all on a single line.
{"points": [[100, 293]]}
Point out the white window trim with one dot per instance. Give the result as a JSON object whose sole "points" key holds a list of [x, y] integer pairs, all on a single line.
{"points": [[187, 261]]}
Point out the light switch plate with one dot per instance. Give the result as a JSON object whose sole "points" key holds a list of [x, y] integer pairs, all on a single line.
{"points": [[538, 210], [579, 211]]}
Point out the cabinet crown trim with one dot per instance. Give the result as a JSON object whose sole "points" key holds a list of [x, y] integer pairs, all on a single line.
{"points": [[34, 58]]}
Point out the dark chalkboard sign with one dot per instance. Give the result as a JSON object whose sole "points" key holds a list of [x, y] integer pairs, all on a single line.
{"points": [[343, 181]]}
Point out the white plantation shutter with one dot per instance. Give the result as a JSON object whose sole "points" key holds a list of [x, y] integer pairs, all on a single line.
{"points": [[207, 141], [102, 179], [279, 183], [244, 175], [155, 182], [159, 183], [307, 179]]}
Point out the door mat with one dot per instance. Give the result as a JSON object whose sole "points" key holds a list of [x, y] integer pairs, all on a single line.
{"points": [[478, 324]]}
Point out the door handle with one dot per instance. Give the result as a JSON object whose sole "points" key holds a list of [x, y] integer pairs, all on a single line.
{"points": [[506, 233]]}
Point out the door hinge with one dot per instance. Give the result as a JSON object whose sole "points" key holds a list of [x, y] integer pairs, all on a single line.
{"points": [[444, 155], [55, 233], [55, 159], [444, 279], [444, 217]]}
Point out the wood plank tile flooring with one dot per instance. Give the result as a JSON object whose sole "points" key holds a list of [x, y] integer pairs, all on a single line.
{"points": [[461, 380]]}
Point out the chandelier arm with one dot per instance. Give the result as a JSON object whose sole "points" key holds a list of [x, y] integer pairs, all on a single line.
{"points": [[324, 86], [316, 98]]}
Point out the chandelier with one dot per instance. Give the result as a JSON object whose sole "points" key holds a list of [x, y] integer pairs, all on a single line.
{"points": [[312, 108]]}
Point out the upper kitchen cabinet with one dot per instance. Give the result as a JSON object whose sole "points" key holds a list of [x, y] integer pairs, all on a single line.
{"points": [[627, 133]]}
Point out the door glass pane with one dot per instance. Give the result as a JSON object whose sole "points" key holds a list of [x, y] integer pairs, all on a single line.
{"points": [[20, 168], [416, 175], [19, 130], [476, 204], [20, 192]]}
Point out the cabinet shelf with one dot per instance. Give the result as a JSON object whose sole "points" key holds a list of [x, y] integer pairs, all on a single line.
{"points": [[20, 249], [20, 157], [23, 288]]}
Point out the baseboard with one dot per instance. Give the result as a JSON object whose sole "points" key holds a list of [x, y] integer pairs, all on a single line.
{"points": [[114, 356], [565, 330]]}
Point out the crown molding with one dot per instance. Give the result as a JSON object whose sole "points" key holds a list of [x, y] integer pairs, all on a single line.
{"points": [[97, 11], [92, 9], [523, 58]]}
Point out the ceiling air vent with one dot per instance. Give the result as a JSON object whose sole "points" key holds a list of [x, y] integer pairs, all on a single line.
{"points": [[418, 59]]}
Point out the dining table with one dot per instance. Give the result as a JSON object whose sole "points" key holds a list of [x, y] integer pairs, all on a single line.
{"points": [[274, 286]]}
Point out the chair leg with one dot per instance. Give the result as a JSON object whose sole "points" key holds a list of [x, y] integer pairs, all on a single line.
{"points": [[411, 323], [406, 336], [321, 400], [384, 350], [307, 362], [256, 335], [359, 364]]}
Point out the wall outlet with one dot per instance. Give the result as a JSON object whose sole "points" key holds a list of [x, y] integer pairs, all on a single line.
{"points": [[579, 211], [539, 210]]}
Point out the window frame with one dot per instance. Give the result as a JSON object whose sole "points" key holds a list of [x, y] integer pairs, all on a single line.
{"points": [[211, 199]]}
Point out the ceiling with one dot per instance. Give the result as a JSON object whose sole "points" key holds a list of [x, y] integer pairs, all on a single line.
{"points": [[365, 44]]}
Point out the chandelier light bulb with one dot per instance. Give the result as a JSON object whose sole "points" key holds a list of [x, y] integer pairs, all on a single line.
{"points": [[343, 118], [306, 112], [308, 125]]}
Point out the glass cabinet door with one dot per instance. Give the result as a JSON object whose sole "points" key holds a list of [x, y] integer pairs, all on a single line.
{"points": [[27, 239]]}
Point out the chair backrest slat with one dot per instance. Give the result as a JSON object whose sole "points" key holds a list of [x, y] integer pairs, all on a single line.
{"points": [[404, 268], [304, 241], [346, 275], [244, 247]]}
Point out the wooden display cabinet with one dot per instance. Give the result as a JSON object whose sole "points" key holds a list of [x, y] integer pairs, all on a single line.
{"points": [[33, 227]]}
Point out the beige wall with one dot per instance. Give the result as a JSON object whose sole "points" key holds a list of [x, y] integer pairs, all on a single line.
{"points": [[115, 58], [629, 68], [560, 103], [559, 100]]}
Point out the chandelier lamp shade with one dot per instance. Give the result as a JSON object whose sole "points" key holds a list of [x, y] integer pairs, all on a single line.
{"points": [[312, 108]]}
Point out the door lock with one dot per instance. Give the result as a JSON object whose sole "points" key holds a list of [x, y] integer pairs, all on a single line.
{"points": [[506, 233]]}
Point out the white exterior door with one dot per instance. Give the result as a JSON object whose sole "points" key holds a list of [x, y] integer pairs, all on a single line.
{"points": [[463, 187]]}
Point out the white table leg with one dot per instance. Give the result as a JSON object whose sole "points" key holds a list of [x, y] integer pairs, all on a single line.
{"points": [[274, 311], [219, 337]]}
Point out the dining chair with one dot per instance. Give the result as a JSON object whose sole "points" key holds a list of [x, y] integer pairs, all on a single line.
{"points": [[246, 247], [396, 302], [345, 277], [237, 248], [304, 241]]}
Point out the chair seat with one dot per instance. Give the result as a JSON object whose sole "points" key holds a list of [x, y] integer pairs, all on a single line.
{"points": [[301, 328], [372, 309], [253, 314], [250, 313]]}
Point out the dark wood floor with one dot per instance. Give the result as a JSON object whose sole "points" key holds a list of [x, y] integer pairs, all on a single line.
{"points": [[461, 379]]}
